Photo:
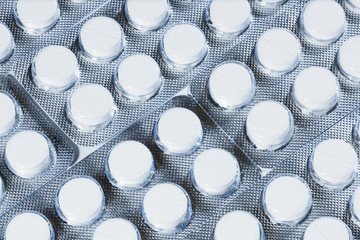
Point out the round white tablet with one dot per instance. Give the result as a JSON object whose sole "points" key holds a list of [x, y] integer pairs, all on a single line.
{"points": [[30, 226], [286, 199], [116, 229], [101, 39], [354, 5], [228, 17], [348, 58], [147, 15], [28, 154], [80, 201], [278, 51], [316, 90], [327, 228], [232, 85], [36, 16], [55, 68], [183, 46], [354, 206], [333, 164], [178, 131], [7, 43], [138, 85], [167, 208], [130, 165], [2, 189], [269, 125], [272, 3], [322, 21], [9, 111], [91, 107], [216, 172], [238, 225]]}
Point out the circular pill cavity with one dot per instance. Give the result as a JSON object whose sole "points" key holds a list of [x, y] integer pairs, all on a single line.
{"points": [[286, 199], [147, 15], [101, 39], [2, 189], [270, 125], [91, 107], [130, 165], [138, 85], [354, 206], [80, 201], [28, 154], [348, 58], [238, 225], [55, 68], [327, 228], [36, 16], [29, 225], [9, 111], [216, 173], [316, 90], [356, 133], [232, 85], [272, 3], [116, 229], [167, 208], [278, 51], [322, 21], [183, 46], [228, 17], [7, 43], [333, 164], [178, 131]]}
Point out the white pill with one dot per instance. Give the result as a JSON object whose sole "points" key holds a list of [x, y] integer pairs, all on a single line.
{"points": [[278, 51], [272, 3], [55, 68], [130, 165], [30, 226], [2, 190], [286, 199], [9, 111], [333, 164], [101, 39], [323, 21], [138, 85], [91, 107], [36, 16], [7, 43], [269, 125], [238, 225], [29, 153], [354, 206], [147, 15], [167, 208], [316, 90], [216, 172], [116, 229], [228, 17], [348, 59], [232, 85], [327, 228], [354, 5], [183, 46], [80, 201], [178, 131]]}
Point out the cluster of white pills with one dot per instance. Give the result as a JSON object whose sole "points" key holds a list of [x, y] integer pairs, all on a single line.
{"points": [[80, 201], [238, 225], [327, 228], [334, 164], [29, 225], [178, 131], [29, 154], [286, 199], [36, 16], [130, 165], [269, 125], [7, 43], [10, 113]]}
